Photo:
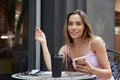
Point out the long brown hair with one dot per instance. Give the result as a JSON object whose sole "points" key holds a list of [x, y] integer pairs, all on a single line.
{"points": [[87, 33]]}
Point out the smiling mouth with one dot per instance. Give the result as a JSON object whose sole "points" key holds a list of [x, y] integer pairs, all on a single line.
{"points": [[73, 32]]}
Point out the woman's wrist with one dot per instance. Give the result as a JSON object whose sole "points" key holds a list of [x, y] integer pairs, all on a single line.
{"points": [[43, 43], [92, 70]]}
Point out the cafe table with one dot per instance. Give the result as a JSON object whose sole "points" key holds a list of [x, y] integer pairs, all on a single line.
{"points": [[47, 75]]}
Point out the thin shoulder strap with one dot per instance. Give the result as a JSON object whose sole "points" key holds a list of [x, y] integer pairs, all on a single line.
{"points": [[89, 49], [89, 46], [67, 55]]}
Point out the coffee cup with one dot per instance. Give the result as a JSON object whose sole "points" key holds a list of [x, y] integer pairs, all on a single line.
{"points": [[56, 61]]}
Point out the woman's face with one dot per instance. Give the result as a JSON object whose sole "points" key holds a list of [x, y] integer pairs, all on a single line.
{"points": [[75, 26]]}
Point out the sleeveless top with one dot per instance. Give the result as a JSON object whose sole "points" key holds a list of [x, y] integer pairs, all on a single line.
{"points": [[90, 57]]}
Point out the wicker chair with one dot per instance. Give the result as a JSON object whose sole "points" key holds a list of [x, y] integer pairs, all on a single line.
{"points": [[114, 58]]}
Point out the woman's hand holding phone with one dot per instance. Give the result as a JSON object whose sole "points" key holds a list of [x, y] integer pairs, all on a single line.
{"points": [[79, 60]]}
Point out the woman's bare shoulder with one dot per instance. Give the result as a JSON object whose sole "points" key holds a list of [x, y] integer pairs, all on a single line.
{"points": [[64, 46], [63, 49], [96, 40], [97, 43]]}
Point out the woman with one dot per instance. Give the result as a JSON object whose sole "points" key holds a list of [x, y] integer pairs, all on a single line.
{"points": [[80, 41]]}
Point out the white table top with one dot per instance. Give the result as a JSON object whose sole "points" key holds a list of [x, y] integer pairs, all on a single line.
{"points": [[46, 75]]}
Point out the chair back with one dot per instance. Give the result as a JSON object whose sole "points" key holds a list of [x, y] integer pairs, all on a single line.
{"points": [[114, 58]]}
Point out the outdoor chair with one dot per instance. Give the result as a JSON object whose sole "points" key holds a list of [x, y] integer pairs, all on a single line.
{"points": [[114, 58]]}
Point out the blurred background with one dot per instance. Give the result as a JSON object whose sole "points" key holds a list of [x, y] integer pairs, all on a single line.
{"points": [[19, 52]]}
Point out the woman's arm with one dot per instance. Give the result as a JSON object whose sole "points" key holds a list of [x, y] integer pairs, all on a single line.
{"points": [[98, 46], [40, 36]]}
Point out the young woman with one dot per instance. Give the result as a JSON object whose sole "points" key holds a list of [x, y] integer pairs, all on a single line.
{"points": [[80, 41]]}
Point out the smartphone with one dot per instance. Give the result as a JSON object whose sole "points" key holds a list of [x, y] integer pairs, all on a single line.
{"points": [[79, 60]]}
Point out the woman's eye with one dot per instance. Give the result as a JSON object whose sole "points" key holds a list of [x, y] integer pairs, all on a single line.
{"points": [[78, 23], [69, 24]]}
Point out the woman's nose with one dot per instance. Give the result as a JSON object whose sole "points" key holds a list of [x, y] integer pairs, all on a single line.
{"points": [[73, 27]]}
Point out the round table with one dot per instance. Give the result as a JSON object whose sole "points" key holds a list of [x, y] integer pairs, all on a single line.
{"points": [[47, 75]]}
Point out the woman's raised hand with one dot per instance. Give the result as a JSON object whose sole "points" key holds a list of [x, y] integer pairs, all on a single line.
{"points": [[39, 35]]}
